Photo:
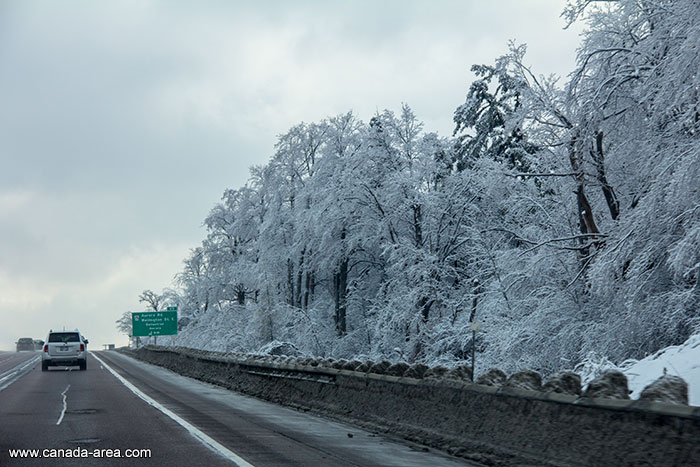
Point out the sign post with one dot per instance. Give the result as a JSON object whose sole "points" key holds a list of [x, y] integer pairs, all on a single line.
{"points": [[155, 323], [476, 327]]}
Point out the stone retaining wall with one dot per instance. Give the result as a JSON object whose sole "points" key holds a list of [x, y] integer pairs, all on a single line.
{"points": [[490, 425]]}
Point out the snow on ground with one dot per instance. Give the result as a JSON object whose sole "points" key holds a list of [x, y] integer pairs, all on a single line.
{"points": [[680, 360]]}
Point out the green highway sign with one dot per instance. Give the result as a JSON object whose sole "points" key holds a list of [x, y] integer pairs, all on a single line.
{"points": [[154, 323], [171, 308]]}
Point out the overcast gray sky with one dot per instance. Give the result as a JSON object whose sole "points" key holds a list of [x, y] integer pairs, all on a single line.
{"points": [[122, 122]]}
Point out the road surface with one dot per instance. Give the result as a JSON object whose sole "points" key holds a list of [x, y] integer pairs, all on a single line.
{"points": [[9, 360], [14, 365], [121, 406]]}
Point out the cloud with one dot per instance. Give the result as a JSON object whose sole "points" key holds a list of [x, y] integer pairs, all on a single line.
{"points": [[30, 306], [123, 122]]}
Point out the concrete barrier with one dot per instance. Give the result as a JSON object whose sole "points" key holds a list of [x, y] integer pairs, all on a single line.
{"points": [[491, 425]]}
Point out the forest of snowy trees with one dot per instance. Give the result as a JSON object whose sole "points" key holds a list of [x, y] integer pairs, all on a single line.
{"points": [[563, 217]]}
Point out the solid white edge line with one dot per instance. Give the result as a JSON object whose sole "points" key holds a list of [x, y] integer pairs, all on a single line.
{"points": [[65, 404], [194, 431]]}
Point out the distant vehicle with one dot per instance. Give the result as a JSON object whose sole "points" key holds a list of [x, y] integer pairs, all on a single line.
{"points": [[38, 344], [25, 343], [64, 348]]}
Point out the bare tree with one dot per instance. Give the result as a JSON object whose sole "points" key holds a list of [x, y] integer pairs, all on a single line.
{"points": [[151, 299]]}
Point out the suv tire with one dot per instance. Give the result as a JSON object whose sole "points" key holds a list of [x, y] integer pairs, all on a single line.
{"points": [[44, 366], [83, 365]]}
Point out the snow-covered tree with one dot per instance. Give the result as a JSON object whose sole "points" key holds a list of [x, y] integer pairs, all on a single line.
{"points": [[563, 216]]}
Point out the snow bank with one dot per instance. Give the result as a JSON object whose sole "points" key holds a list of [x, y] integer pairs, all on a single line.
{"points": [[679, 360]]}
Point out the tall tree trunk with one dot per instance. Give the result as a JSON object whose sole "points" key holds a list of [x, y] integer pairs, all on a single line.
{"points": [[586, 220], [340, 282], [424, 305], [585, 213], [418, 224], [599, 159], [312, 285], [300, 275], [308, 285], [290, 282]]}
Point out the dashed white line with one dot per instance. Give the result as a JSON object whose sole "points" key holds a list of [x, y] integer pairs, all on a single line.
{"points": [[65, 404], [194, 431]]}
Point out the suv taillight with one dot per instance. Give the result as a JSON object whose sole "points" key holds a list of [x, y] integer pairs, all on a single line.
{"points": [[82, 347], [46, 347]]}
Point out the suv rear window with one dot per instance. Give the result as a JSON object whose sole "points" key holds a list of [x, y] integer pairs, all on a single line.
{"points": [[25, 340], [64, 337]]}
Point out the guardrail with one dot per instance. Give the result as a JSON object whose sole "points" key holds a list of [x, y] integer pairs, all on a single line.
{"points": [[487, 424]]}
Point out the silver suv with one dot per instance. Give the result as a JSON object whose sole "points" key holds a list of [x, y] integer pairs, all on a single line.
{"points": [[66, 348]]}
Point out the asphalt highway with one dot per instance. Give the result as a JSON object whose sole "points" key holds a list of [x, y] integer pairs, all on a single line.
{"points": [[100, 413], [9, 360], [121, 404]]}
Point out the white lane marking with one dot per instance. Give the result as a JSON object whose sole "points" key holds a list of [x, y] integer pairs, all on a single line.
{"points": [[13, 374], [65, 404], [194, 431]]}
